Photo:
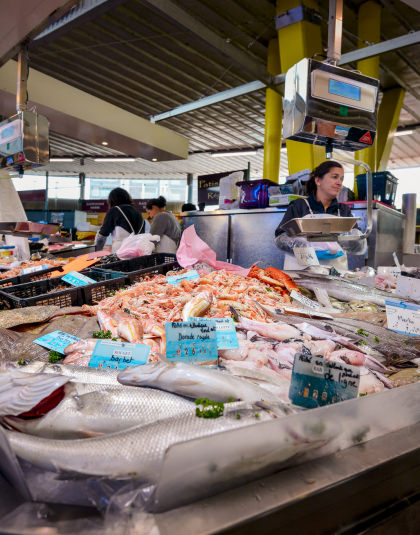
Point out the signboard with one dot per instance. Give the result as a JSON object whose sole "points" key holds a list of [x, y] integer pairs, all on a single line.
{"points": [[57, 340], [140, 204], [402, 317], [35, 195], [77, 279], [95, 205], [208, 187], [118, 355], [191, 341], [176, 279], [306, 256]]}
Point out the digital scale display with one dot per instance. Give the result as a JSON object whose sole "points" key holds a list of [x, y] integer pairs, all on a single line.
{"points": [[342, 89], [7, 132]]}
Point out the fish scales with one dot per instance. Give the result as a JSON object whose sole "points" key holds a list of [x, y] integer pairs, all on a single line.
{"points": [[137, 452], [82, 374]]}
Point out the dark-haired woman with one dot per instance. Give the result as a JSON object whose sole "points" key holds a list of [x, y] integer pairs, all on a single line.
{"points": [[322, 188], [121, 220], [164, 224]]}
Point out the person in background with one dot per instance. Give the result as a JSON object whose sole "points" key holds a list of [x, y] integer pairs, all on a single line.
{"points": [[188, 207], [323, 188], [164, 224], [121, 220]]}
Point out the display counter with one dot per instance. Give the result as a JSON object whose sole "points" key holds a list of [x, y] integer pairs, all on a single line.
{"points": [[244, 237], [73, 250]]}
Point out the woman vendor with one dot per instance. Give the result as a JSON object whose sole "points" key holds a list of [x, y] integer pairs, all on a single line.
{"points": [[164, 224], [323, 187], [121, 220]]}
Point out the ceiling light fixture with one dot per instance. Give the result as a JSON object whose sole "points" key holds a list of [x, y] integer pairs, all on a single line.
{"points": [[233, 153], [111, 160], [154, 159], [105, 143], [61, 159], [403, 132]]}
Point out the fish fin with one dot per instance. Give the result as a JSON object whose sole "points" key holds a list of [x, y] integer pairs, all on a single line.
{"points": [[92, 434]]}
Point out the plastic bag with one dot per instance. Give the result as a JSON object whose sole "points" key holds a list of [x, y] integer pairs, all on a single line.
{"points": [[137, 245], [287, 244], [351, 244]]}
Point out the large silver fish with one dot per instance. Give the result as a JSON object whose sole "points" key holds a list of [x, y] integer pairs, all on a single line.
{"points": [[107, 409], [137, 452], [81, 374], [194, 381]]}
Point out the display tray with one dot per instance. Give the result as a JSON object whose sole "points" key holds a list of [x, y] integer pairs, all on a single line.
{"points": [[107, 284], [29, 277], [140, 262], [37, 293], [307, 226], [27, 228]]}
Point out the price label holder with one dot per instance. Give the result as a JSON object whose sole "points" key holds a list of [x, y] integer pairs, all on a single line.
{"points": [[176, 279], [408, 287], [225, 332], [306, 256], [317, 381], [57, 341], [118, 355], [77, 279], [34, 269], [403, 317], [305, 301], [192, 341]]}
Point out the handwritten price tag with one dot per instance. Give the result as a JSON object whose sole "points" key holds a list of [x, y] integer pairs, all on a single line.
{"points": [[191, 341], [306, 256], [77, 279], [402, 317], [57, 340], [225, 332], [317, 381], [189, 275], [118, 355]]}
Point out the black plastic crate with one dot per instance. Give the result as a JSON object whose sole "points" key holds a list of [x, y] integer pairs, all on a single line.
{"points": [[10, 281], [162, 269], [104, 287], [39, 275], [140, 262], [35, 293]]}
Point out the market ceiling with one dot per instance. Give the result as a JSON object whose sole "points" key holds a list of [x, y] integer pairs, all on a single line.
{"points": [[148, 57]]}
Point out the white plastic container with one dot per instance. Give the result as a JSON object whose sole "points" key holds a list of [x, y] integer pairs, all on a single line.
{"points": [[229, 191]]}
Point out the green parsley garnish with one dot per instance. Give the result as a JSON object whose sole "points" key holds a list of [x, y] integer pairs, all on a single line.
{"points": [[268, 289], [127, 311], [55, 356], [377, 339], [101, 334], [231, 400], [206, 408], [257, 415], [64, 316], [406, 342], [363, 394], [114, 339], [21, 362], [238, 416], [362, 332], [149, 293], [362, 342]]}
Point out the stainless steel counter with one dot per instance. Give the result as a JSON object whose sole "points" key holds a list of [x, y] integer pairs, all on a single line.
{"points": [[244, 237]]}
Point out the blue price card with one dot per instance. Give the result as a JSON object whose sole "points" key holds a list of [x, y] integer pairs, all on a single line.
{"points": [[57, 341], [317, 381], [77, 279], [225, 332], [34, 269], [189, 275], [192, 341], [118, 355]]}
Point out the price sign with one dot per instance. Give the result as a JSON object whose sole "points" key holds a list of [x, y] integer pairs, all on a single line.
{"points": [[317, 381], [189, 275], [402, 317], [118, 355], [77, 279], [57, 341], [192, 341], [225, 332], [305, 301], [34, 269], [306, 256], [408, 287]]}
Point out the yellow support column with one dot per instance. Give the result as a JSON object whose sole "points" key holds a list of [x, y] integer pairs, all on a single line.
{"points": [[273, 118], [369, 29], [388, 116], [297, 41]]}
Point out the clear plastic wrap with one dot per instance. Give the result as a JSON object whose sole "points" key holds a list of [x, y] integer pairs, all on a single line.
{"points": [[351, 244]]}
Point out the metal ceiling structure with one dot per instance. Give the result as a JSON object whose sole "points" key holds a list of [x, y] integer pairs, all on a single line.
{"points": [[150, 56]]}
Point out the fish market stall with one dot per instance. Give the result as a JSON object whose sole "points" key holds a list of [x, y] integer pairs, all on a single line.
{"points": [[244, 237]]}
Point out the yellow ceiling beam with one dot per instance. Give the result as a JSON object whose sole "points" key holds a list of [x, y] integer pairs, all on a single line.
{"points": [[388, 117]]}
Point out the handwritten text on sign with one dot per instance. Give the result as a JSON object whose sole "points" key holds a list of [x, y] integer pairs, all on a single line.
{"points": [[57, 340], [225, 332], [176, 279], [191, 341], [317, 381], [306, 256], [118, 355], [305, 301], [403, 317]]}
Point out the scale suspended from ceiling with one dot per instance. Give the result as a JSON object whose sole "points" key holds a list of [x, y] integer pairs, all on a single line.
{"points": [[334, 107]]}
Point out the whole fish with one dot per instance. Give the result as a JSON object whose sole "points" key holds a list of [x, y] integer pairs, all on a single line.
{"points": [[193, 381], [92, 410], [277, 331], [79, 374], [139, 451]]}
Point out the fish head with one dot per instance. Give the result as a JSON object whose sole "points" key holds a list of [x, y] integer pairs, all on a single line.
{"points": [[142, 375]]}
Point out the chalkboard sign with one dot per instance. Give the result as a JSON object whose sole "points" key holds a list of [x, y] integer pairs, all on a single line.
{"points": [[208, 187]]}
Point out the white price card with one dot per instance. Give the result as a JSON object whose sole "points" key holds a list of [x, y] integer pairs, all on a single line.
{"points": [[34, 269], [403, 317], [306, 256], [305, 301], [408, 287]]}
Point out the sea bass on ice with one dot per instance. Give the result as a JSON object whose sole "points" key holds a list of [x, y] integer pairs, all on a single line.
{"points": [[193, 381]]}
